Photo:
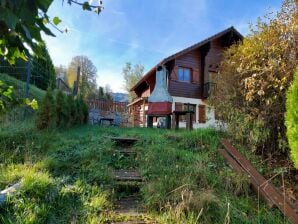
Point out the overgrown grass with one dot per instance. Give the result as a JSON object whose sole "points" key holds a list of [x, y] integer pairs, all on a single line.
{"points": [[67, 177], [19, 88]]}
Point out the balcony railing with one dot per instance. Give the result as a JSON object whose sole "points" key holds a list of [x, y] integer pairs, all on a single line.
{"points": [[209, 89]]}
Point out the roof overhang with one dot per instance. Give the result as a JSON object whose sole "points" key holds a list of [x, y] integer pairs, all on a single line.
{"points": [[186, 50]]}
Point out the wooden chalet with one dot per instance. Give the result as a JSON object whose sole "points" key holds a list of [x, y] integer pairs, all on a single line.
{"points": [[191, 75]]}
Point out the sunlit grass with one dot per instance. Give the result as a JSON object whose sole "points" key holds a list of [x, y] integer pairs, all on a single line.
{"points": [[67, 177]]}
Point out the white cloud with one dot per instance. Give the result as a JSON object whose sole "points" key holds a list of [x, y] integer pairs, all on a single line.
{"points": [[112, 78]]}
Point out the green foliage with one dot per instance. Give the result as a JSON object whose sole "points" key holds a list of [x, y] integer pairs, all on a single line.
{"points": [[19, 88], [254, 77], [47, 114], [61, 110], [6, 98], [21, 24], [64, 111], [84, 111], [72, 111], [291, 119], [131, 76], [42, 70], [12, 92]]}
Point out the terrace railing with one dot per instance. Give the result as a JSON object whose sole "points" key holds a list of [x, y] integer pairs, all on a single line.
{"points": [[108, 106]]}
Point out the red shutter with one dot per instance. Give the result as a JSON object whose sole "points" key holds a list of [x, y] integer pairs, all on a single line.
{"points": [[178, 106], [202, 114]]}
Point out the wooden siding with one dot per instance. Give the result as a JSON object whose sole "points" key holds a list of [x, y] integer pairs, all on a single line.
{"points": [[190, 60], [184, 89], [213, 58], [146, 93]]}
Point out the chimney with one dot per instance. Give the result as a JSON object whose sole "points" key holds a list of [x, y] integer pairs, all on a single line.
{"points": [[160, 101]]}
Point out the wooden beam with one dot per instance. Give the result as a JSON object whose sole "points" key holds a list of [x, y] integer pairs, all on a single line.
{"points": [[266, 189]]}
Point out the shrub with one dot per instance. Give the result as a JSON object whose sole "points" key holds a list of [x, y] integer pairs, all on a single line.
{"points": [[85, 110], [47, 114], [72, 110], [254, 77], [292, 119], [60, 106]]}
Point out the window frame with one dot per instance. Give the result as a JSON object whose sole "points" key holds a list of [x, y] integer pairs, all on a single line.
{"points": [[190, 74]]}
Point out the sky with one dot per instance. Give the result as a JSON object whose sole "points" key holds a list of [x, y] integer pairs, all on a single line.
{"points": [[144, 31]]}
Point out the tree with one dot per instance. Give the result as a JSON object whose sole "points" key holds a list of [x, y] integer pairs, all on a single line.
{"points": [[43, 71], [88, 73], [108, 93], [72, 110], [254, 77], [47, 113], [61, 111], [131, 76], [292, 119], [21, 24]]}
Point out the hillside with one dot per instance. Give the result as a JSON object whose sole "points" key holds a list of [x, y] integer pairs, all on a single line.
{"points": [[20, 86], [120, 97], [67, 177]]}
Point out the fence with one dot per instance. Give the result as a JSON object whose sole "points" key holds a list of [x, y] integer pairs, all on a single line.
{"points": [[108, 106], [24, 82]]}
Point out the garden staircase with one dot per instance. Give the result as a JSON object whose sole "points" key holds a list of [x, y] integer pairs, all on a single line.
{"points": [[128, 180]]}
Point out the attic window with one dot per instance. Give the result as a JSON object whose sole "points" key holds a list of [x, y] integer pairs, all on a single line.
{"points": [[184, 74]]}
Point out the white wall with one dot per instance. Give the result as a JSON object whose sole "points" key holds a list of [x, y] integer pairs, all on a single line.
{"points": [[210, 117]]}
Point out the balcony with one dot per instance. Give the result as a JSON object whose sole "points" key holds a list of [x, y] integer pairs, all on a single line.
{"points": [[208, 89]]}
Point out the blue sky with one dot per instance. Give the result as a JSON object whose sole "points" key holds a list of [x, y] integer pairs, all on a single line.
{"points": [[144, 31]]}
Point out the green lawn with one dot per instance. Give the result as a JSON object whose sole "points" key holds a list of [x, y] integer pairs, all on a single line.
{"points": [[66, 177]]}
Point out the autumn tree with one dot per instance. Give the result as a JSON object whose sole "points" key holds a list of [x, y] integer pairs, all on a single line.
{"points": [[88, 73], [131, 75], [254, 78]]}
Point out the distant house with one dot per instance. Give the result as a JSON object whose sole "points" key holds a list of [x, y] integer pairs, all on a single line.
{"points": [[190, 79], [62, 85]]}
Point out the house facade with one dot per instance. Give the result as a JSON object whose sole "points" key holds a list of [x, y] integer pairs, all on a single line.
{"points": [[191, 75]]}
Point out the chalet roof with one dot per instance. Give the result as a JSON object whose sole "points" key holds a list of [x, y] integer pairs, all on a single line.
{"points": [[185, 51]]}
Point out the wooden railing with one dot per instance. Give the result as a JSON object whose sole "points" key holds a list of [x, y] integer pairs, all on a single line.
{"points": [[209, 88], [106, 105]]}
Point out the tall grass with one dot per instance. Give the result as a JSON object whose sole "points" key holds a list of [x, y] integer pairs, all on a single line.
{"points": [[67, 177]]}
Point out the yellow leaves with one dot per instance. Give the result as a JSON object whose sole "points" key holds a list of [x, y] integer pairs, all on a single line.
{"points": [[261, 92], [33, 104]]}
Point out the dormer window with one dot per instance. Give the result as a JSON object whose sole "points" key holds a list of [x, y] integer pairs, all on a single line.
{"points": [[184, 74]]}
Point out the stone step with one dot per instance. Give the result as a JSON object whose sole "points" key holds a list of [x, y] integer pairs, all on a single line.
{"points": [[127, 175], [132, 222], [124, 141], [129, 205], [127, 152]]}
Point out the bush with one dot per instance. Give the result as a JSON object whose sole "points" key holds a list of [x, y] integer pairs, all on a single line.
{"points": [[67, 111], [47, 114], [60, 106], [254, 77], [82, 110], [72, 110], [292, 119]]}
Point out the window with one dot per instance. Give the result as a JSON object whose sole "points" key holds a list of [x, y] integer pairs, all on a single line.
{"points": [[184, 74], [186, 107]]}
